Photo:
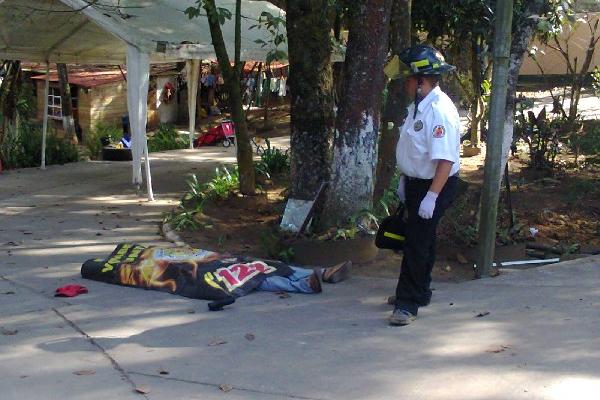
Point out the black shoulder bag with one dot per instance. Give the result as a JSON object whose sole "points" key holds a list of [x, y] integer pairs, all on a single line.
{"points": [[392, 231]]}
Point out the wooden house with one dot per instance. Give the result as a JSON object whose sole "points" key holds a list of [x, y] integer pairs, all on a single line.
{"points": [[99, 96]]}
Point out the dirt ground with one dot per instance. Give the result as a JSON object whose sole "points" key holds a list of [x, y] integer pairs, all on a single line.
{"points": [[564, 208]]}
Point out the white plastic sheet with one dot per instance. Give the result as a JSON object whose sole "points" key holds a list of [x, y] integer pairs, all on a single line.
{"points": [[72, 31], [138, 77], [193, 72]]}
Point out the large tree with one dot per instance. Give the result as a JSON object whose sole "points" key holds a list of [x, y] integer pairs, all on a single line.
{"points": [[232, 77], [8, 88], [463, 30], [358, 120], [525, 22], [396, 101], [311, 85]]}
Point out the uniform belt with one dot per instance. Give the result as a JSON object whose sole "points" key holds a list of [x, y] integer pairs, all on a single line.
{"points": [[410, 178]]}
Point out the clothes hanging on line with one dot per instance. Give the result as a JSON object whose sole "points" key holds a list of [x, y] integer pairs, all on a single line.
{"points": [[282, 87]]}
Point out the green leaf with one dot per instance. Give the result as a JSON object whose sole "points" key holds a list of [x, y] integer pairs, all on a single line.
{"points": [[192, 12], [223, 14], [279, 39]]}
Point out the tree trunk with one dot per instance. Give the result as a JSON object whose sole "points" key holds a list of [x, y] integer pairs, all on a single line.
{"points": [[338, 67], [66, 102], [395, 106], [476, 80], [524, 29], [266, 125], [8, 90], [579, 81], [231, 76], [311, 87], [358, 121]]}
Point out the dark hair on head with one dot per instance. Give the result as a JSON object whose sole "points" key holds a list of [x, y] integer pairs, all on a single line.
{"points": [[433, 79]]}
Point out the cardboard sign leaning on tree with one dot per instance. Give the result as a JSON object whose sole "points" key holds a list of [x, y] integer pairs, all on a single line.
{"points": [[298, 213]]}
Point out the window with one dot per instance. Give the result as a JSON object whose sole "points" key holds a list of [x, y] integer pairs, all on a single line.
{"points": [[55, 102]]}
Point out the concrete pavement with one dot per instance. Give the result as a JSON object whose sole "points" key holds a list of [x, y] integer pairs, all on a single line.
{"points": [[540, 340]]}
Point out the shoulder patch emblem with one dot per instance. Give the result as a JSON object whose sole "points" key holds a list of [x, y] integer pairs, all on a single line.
{"points": [[418, 126], [439, 132]]}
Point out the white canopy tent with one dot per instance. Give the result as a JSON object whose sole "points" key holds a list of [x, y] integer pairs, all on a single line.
{"points": [[131, 32]]}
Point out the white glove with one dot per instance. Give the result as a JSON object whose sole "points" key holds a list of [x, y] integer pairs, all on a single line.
{"points": [[401, 191], [428, 205]]}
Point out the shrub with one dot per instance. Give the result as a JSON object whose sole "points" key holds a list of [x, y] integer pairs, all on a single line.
{"points": [[102, 135], [60, 151], [389, 200], [223, 183], [596, 80], [182, 218], [166, 138], [272, 161], [194, 197], [543, 135], [11, 151], [23, 148], [588, 141], [192, 202]]}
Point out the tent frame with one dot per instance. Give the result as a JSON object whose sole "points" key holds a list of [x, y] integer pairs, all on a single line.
{"points": [[141, 46]]}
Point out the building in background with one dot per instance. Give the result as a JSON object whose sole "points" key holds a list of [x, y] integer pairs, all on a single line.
{"points": [[99, 96]]}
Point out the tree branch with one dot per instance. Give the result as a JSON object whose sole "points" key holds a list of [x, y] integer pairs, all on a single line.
{"points": [[217, 38]]}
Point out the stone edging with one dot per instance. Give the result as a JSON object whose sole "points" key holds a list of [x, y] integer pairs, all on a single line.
{"points": [[171, 234]]}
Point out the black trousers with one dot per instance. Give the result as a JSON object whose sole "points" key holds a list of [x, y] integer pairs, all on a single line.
{"points": [[413, 288]]}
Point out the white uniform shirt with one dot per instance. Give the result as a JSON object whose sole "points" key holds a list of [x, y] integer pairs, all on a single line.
{"points": [[434, 134]]}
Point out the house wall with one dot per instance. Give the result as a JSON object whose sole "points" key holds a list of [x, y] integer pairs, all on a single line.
{"points": [[107, 105], [153, 113], [54, 125], [552, 61], [104, 104], [85, 110]]}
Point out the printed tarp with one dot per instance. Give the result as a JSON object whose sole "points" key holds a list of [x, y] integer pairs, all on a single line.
{"points": [[194, 273]]}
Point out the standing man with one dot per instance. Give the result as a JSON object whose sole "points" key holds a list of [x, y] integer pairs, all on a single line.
{"points": [[428, 156]]}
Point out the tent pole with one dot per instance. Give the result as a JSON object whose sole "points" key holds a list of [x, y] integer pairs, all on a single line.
{"points": [[138, 77], [45, 123], [192, 78], [148, 174]]}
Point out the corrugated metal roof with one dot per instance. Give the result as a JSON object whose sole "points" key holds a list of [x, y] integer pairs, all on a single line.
{"points": [[89, 76], [87, 79]]}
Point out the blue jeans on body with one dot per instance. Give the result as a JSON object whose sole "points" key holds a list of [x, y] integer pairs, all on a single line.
{"points": [[294, 283]]}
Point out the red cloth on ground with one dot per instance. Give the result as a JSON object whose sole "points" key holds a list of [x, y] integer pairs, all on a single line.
{"points": [[70, 291]]}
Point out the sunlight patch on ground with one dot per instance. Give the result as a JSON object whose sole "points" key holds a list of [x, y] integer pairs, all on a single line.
{"points": [[122, 200], [580, 388], [49, 251], [147, 323], [457, 343], [15, 210]]}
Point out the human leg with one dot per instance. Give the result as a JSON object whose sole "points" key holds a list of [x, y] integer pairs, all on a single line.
{"points": [[413, 289], [302, 280]]}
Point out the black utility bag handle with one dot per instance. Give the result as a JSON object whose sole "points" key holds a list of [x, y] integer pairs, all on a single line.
{"points": [[392, 231]]}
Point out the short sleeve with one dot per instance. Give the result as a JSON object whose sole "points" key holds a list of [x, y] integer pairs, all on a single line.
{"points": [[444, 134]]}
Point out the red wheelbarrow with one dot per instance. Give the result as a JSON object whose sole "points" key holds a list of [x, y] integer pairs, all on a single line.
{"points": [[223, 133]]}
